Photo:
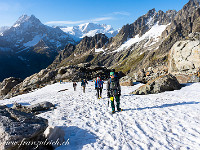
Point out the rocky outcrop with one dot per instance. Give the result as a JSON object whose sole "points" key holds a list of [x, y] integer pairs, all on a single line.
{"points": [[161, 84], [89, 43], [35, 109], [146, 75], [184, 58], [126, 81], [68, 50], [18, 128], [8, 84]]}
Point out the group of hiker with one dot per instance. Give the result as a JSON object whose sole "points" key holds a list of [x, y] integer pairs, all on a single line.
{"points": [[113, 89]]}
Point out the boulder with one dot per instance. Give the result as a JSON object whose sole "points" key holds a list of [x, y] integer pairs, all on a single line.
{"points": [[61, 71], [8, 84], [43, 72], [184, 57], [163, 83], [128, 82], [36, 109], [17, 127], [49, 76]]}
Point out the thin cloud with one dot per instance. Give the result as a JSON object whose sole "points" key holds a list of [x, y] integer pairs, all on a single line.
{"points": [[124, 13], [102, 19], [95, 20]]}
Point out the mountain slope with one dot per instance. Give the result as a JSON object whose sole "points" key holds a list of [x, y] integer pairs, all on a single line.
{"points": [[131, 45], [83, 52], [29, 46], [168, 120]]}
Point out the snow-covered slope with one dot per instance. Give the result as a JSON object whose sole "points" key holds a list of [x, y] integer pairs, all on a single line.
{"points": [[164, 121], [152, 35], [2, 29], [90, 29]]}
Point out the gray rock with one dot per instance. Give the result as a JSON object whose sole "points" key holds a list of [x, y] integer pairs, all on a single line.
{"points": [[193, 79], [163, 83], [43, 72], [8, 84], [62, 70], [16, 126], [36, 109], [184, 57]]}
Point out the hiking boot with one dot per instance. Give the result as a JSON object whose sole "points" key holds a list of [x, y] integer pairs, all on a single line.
{"points": [[113, 112], [119, 109]]}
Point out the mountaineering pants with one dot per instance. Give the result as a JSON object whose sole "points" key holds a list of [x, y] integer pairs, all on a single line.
{"points": [[117, 99], [99, 92], [83, 89]]}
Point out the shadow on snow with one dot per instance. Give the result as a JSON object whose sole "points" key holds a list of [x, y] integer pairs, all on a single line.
{"points": [[163, 106], [76, 138]]}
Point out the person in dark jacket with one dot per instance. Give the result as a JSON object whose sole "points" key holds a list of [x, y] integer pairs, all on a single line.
{"points": [[114, 91], [74, 85], [83, 84], [99, 87]]}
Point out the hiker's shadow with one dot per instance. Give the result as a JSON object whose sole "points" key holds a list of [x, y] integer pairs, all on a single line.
{"points": [[163, 106], [74, 137]]}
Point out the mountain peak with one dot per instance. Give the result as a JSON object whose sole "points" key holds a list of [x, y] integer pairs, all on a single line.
{"points": [[26, 18], [151, 12]]}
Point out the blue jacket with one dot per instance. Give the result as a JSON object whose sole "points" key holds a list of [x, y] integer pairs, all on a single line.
{"points": [[98, 84], [83, 83]]}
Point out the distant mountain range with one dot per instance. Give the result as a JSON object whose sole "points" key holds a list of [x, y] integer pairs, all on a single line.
{"points": [[89, 29]]}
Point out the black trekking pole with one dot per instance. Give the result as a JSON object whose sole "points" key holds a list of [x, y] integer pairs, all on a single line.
{"points": [[108, 102]]}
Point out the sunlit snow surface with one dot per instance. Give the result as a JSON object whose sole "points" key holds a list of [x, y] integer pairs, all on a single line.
{"points": [[154, 33], [168, 120]]}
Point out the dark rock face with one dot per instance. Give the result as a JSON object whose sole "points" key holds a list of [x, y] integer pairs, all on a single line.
{"points": [[69, 49], [161, 84], [16, 126], [88, 43]]}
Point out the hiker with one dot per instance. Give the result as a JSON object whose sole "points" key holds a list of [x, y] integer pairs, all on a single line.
{"points": [[83, 84], [61, 81], [99, 87], [114, 91], [74, 85]]}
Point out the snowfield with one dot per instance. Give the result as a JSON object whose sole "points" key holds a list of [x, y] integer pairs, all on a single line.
{"points": [[165, 121]]}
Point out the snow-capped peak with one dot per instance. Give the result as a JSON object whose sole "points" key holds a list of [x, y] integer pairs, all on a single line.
{"points": [[26, 19], [90, 29]]}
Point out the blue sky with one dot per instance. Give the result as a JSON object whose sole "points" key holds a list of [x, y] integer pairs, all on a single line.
{"points": [[73, 12]]}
